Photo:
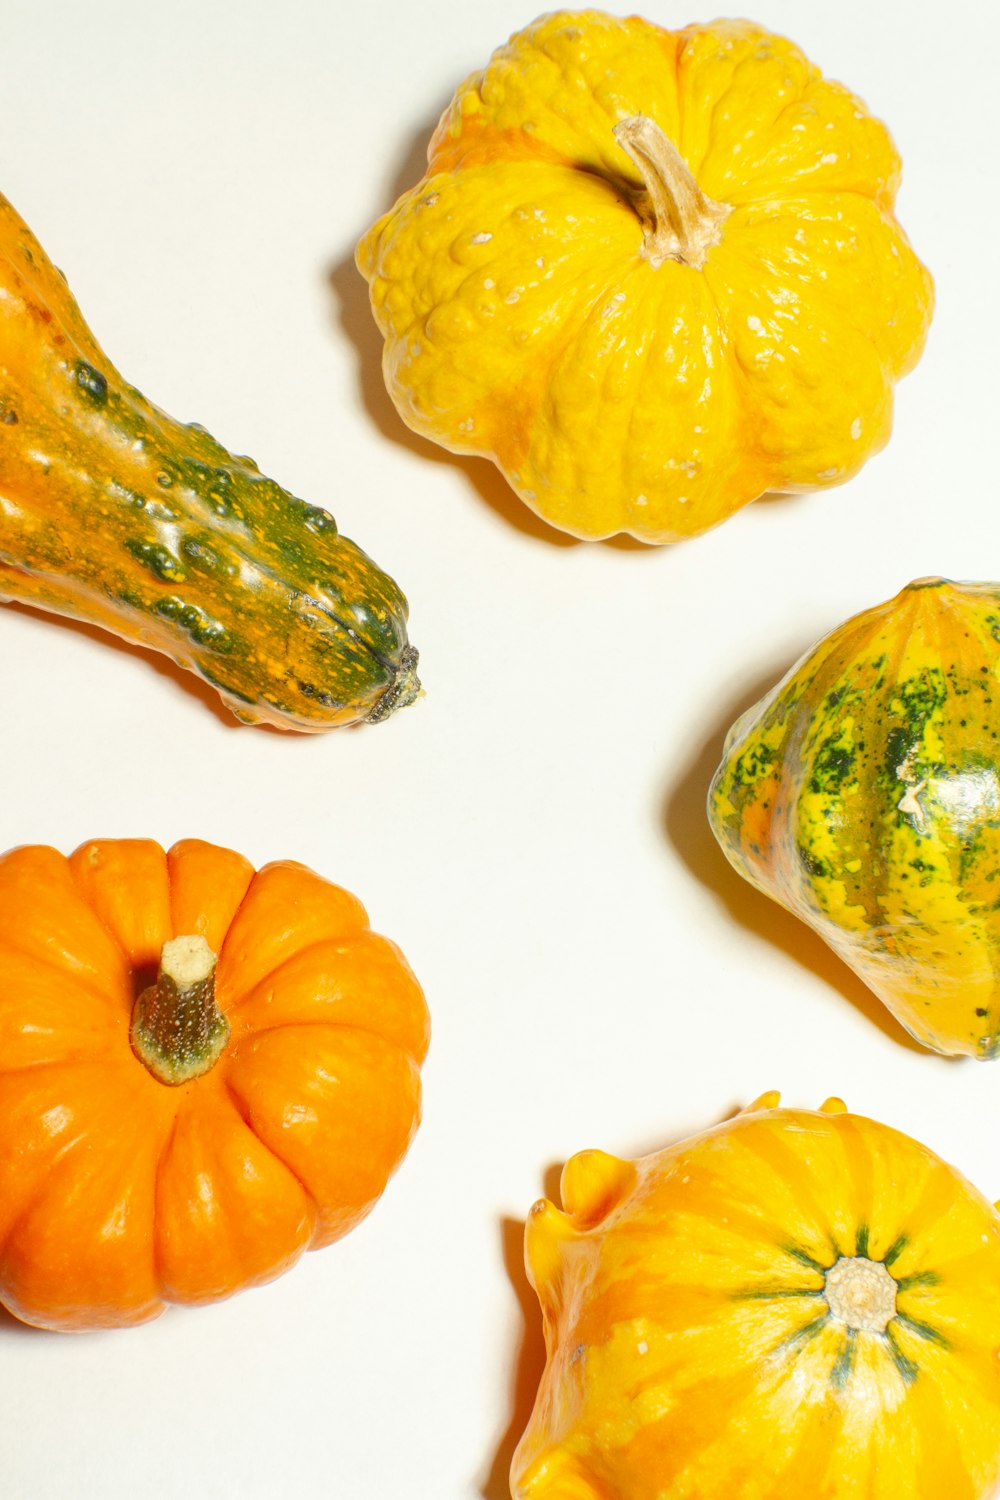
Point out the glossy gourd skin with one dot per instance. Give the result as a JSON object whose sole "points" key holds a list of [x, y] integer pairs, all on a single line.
{"points": [[113, 513], [120, 1192], [794, 1304], [863, 793], [626, 373]]}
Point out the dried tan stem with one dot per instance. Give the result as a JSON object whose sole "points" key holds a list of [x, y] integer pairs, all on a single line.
{"points": [[681, 222]]}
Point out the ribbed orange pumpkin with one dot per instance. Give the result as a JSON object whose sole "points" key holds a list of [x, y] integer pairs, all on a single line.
{"points": [[796, 1305], [176, 1137]]}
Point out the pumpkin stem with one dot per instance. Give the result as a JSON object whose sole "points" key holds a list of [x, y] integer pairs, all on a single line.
{"points": [[861, 1293], [681, 223], [178, 1031]]}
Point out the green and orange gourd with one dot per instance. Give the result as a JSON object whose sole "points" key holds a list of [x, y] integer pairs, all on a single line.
{"points": [[113, 513], [863, 793]]}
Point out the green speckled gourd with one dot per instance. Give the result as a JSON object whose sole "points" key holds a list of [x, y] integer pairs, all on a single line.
{"points": [[863, 793], [114, 513]]}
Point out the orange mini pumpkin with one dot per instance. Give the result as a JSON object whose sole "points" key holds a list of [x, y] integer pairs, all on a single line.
{"points": [[173, 1131]]}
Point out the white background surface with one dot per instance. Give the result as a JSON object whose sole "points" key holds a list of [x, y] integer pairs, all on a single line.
{"points": [[531, 833]]}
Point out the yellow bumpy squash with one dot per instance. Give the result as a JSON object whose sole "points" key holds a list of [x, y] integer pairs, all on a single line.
{"points": [[863, 793], [650, 274], [796, 1305]]}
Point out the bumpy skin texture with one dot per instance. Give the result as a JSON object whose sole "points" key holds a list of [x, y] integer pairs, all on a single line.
{"points": [[697, 1352], [863, 793], [119, 1194], [113, 513], [524, 321]]}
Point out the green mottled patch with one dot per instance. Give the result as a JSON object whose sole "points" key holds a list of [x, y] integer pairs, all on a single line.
{"points": [[196, 623], [917, 700], [158, 559], [753, 764], [832, 766], [92, 385], [818, 868]]}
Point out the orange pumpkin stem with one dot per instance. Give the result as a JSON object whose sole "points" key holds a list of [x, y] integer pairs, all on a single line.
{"points": [[178, 1030], [681, 223]]}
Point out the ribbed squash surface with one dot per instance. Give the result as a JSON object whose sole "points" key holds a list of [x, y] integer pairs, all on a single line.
{"points": [[795, 1304]]}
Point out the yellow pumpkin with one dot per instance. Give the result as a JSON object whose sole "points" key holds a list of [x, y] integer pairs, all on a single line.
{"points": [[863, 794], [650, 274], [796, 1305]]}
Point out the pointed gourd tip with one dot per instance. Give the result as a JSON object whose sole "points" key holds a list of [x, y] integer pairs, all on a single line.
{"points": [[769, 1100], [545, 1232], [932, 581], [593, 1182], [932, 593]]}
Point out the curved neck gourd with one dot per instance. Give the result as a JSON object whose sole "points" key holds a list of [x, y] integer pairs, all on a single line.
{"points": [[115, 513]]}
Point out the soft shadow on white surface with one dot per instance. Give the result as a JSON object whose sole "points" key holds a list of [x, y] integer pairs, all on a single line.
{"points": [[10, 1327], [183, 680], [530, 1361]]}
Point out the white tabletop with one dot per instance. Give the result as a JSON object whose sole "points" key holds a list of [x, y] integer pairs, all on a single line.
{"points": [[531, 832]]}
